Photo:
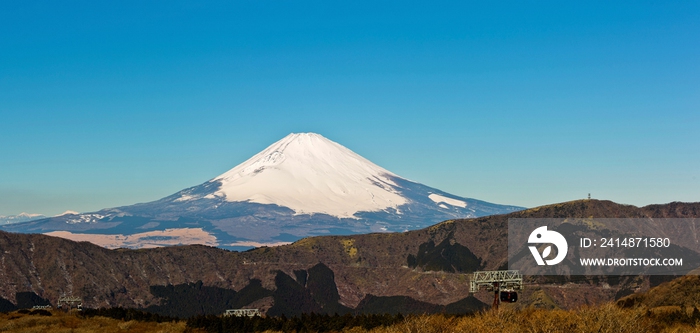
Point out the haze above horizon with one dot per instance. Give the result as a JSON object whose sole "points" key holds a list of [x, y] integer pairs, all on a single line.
{"points": [[104, 105]]}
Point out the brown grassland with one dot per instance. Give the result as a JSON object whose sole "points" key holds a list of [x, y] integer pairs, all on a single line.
{"points": [[61, 322], [603, 318]]}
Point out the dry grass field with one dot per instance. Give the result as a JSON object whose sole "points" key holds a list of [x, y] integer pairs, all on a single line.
{"points": [[60, 322], [600, 319]]}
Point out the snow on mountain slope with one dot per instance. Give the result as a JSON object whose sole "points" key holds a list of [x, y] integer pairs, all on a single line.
{"points": [[440, 199], [303, 185], [310, 174], [21, 217]]}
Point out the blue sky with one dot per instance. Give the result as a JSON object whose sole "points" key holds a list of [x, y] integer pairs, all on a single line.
{"points": [[523, 103]]}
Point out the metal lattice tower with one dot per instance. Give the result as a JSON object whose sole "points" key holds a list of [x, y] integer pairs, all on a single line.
{"points": [[242, 312], [505, 279], [70, 301], [496, 281]]}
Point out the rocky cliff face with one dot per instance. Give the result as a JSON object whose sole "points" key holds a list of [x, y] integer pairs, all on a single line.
{"points": [[427, 265]]}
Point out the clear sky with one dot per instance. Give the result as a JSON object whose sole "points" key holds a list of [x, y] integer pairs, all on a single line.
{"points": [[524, 103]]}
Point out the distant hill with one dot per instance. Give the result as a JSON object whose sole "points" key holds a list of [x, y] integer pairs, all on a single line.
{"points": [[683, 292], [22, 217], [422, 269]]}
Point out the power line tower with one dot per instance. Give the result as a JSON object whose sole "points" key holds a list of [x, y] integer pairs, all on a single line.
{"points": [[503, 284]]}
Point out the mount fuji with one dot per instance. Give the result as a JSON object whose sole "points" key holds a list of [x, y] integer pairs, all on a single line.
{"points": [[302, 185]]}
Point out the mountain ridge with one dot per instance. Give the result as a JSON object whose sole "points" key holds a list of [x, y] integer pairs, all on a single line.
{"points": [[368, 264], [19, 218]]}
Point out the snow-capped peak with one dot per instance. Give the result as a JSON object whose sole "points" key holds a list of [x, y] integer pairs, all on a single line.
{"points": [[29, 215], [69, 212], [310, 174], [21, 217]]}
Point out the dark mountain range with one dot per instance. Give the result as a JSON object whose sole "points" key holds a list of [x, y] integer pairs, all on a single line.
{"points": [[300, 186], [422, 270]]}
